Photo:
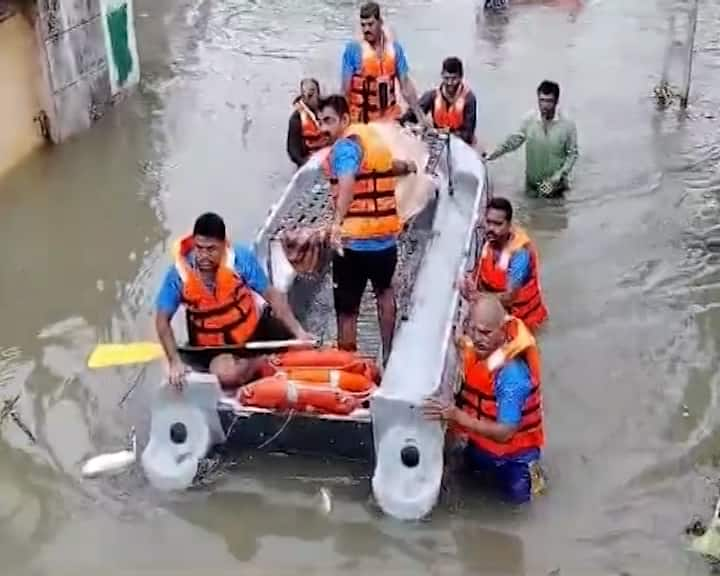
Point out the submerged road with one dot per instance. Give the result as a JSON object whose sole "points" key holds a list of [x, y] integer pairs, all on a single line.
{"points": [[630, 269]]}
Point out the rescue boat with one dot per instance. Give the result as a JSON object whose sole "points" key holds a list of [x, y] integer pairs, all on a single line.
{"points": [[380, 422]]}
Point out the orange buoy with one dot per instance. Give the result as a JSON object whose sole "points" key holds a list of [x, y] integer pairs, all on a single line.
{"points": [[281, 393], [329, 358], [332, 378]]}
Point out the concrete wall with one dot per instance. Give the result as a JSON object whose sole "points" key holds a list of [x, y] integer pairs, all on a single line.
{"points": [[21, 82], [80, 60]]}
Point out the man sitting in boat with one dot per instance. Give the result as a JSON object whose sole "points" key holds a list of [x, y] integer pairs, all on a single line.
{"points": [[508, 266], [362, 172], [499, 407], [371, 67], [304, 136], [452, 105], [218, 284]]}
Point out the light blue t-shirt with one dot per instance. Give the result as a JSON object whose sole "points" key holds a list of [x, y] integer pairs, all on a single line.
{"points": [[345, 160], [352, 61], [247, 266]]}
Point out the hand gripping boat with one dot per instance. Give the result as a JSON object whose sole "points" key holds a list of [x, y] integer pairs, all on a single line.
{"points": [[438, 243]]}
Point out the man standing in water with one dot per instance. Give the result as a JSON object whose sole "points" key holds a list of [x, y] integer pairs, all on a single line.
{"points": [[362, 173], [499, 408], [371, 68], [551, 148], [508, 266], [217, 282], [452, 105], [304, 135]]}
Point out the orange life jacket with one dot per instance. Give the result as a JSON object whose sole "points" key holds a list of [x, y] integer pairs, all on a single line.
{"points": [[477, 395], [227, 316], [372, 90], [491, 272], [449, 115], [312, 136], [373, 211]]}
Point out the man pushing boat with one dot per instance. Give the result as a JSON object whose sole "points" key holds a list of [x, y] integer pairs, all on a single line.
{"points": [[499, 409], [218, 283]]}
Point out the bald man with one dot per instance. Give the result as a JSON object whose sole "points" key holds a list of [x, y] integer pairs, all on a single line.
{"points": [[499, 408]]}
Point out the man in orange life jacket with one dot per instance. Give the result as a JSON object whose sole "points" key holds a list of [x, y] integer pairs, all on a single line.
{"points": [[499, 407], [372, 66], [362, 173], [508, 266], [217, 282], [452, 106], [304, 135]]}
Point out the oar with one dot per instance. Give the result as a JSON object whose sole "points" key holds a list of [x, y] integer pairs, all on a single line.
{"points": [[106, 355]]}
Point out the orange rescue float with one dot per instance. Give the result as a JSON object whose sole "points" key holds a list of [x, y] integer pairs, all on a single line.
{"points": [[328, 359], [282, 393]]}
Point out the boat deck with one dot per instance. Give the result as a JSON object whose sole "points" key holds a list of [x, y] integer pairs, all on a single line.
{"points": [[346, 437]]}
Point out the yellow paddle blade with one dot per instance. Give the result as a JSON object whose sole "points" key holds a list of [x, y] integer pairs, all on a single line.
{"points": [[106, 355]]}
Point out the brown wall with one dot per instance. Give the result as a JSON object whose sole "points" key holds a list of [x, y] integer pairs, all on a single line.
{"points": [[20, 78]]}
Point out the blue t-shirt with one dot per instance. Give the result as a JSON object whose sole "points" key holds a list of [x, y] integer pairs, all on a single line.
{"points": [[345, 160], [246, 265], [518, 269], [352, 61], [512, 388]]}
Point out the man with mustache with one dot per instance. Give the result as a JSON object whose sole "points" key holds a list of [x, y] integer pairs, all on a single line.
{"points": [[452, 105], [304, 136], [499, 409], [218, 283], [551, 146], [365, 226], [508, 266], [372, 66]]}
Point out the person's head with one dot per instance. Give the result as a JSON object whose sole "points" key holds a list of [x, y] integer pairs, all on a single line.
{"points": [[548, 94], [371, 22], [334, 116], [310, 92], [485, 324], [208, 241], [452, 75], [498, 220]]}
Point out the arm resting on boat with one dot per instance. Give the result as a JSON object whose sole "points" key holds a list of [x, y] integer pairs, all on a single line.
{"points": [[435, 409], [467, 131], [496, 431], [511, 143], [281, 308], [407, 87], [295, 143], [426, 103], [166, 336]]}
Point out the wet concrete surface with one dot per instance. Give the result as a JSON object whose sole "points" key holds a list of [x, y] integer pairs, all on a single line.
{"points": [[629, 268]]}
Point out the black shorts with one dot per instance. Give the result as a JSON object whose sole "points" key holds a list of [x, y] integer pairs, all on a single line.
{"points": [[270, 328], [352, 271]]}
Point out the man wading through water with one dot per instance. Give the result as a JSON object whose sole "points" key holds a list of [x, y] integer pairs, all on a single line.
{"points": [[550, 140]]}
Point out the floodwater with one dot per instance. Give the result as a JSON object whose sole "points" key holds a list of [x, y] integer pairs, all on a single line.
{"points": [[630, 271]]}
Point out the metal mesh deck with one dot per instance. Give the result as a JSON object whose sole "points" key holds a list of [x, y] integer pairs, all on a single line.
{"points": [[312, 297]]}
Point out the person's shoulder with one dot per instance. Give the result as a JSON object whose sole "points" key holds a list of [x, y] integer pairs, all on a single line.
{"points": [[515, 373], [352, 47], [244, 251]]}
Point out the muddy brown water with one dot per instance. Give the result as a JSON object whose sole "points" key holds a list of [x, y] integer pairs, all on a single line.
{"points": [[630, 269]]}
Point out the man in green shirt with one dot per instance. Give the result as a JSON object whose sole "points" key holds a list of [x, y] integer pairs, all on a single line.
{"points": [[550, 144]]}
